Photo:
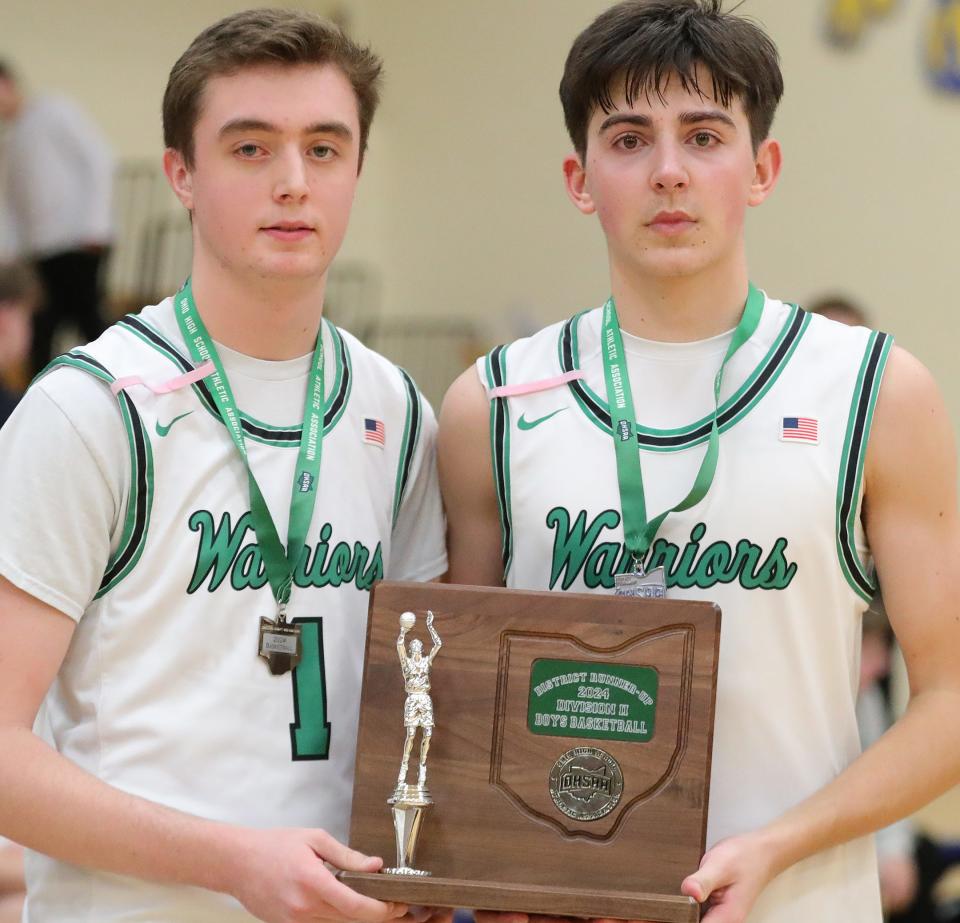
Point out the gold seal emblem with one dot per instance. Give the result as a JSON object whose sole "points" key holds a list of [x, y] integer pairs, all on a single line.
{"points": [[586, 783]]}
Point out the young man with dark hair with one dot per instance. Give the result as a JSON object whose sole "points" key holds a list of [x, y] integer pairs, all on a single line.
{"points": [[193, 509], [697, 438]]}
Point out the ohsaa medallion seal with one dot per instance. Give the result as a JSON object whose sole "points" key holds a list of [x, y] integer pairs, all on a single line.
{"points": [[586, 783]]}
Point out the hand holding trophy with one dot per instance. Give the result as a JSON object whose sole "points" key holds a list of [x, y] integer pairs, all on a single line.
{"points": [[572, 771]]}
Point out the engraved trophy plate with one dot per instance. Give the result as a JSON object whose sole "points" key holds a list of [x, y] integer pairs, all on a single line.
{"points": [[571, 777]]}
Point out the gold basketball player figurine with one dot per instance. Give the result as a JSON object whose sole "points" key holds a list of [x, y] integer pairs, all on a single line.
{"points": [[410, 801]]}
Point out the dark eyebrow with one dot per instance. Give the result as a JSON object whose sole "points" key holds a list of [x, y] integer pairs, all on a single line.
{"points": [[641, 121], [238, 126], [707, 115], [340, 129]]}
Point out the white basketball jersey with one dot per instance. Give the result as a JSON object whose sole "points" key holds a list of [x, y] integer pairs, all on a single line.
{"points": [[777, 543], [162, 693]]}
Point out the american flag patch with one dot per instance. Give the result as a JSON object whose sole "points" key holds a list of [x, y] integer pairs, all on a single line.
{"points": [[800, 429], [373, 432]]}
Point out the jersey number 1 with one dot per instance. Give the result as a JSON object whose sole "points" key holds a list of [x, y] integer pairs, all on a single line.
{"points": [[310, 731]]}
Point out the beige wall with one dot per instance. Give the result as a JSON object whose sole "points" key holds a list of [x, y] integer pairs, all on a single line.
{"points": [[112, 55], [462, 206]]}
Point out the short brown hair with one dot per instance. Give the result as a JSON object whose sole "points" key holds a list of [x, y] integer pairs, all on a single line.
{"points": [[639, 44], [254, 38]]}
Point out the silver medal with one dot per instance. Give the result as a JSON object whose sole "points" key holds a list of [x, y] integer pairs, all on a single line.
{"points": [[640, 583], [279, 644]]}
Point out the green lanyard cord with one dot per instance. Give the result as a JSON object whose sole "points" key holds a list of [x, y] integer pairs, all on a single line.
{"points": [[638, 531], [280, 564]]}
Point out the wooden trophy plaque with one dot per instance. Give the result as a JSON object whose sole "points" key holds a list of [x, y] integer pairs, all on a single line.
{"points": [[569, 764]]}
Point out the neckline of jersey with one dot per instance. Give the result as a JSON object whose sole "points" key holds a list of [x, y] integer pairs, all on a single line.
{"points": [[764, 333], [163, 327]]}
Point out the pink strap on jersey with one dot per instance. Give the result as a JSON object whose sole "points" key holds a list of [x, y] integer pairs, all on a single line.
{"points": [[174, 384], [532, 387]]}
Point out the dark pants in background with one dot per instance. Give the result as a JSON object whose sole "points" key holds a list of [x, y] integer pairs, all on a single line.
{"points": [[71, 283]]}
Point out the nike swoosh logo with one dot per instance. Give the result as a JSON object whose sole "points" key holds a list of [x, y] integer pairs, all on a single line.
{"points": [[530, 424], [163, 430]]}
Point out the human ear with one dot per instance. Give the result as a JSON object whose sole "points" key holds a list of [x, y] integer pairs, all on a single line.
{"points": [[767, 166], [179, 177], [575, 179]]}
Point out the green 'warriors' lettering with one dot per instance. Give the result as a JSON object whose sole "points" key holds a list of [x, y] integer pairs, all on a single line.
{"points": [[683, 575], [582, 549], [574, 543], [218, 548], [310, 731], [228, 550]]}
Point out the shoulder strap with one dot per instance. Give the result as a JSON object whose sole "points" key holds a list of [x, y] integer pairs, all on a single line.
{"points": [[850, 481], [412, 425], [140, 500], [496, 372]]}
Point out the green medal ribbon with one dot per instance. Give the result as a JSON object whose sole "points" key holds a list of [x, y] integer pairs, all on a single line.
{"points": [[638, 531], [280, 564]]}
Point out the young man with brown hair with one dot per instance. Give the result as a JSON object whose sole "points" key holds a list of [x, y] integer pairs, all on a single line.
{"points": [[193, 509], [764, 467]]}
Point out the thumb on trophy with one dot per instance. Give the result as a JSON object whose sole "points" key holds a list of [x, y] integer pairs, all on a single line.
{"points": [[331, 850], [731, 876]]}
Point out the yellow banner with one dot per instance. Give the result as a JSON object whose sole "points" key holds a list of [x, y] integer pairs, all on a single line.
{"points": [[943, 45], [848, 20]]}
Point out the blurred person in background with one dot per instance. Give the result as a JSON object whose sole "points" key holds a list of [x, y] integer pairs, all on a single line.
{"points": [[19, 296], [59, 188], [11, 882], [899, 875], [841, 309]]}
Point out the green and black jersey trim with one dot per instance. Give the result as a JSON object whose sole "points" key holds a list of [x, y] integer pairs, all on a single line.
{"points": [[412, 425], [734, 409], [852, 461], [140, 502], [496, 369], [255, 429]]}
